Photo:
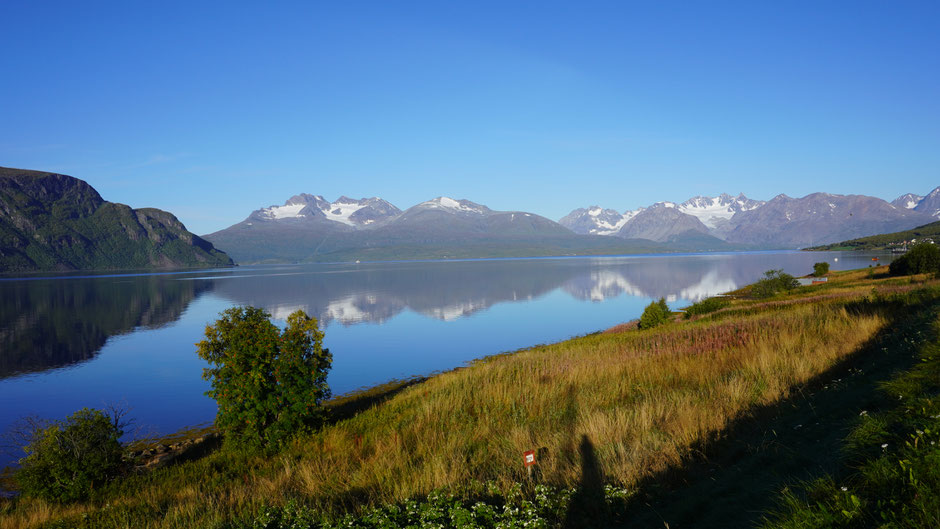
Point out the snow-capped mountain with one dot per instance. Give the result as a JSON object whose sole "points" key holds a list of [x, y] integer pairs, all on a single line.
{"points": [[451, 205], [715, 212], [908, 201], [820, 218], [783, 222], [448, 217], [930, 204], [357, 213], [597, 221], [712, 213], [308, 227]]}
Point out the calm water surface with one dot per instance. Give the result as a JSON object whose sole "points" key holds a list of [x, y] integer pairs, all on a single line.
{"points": [[69, 342]]}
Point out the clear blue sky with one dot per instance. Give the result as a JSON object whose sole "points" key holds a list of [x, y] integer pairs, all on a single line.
{"points": [[213, 110]]}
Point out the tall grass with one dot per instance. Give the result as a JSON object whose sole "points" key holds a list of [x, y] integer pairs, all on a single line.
{"points": [[641, 400]]}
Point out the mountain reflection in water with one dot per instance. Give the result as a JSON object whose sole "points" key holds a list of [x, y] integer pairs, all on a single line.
{"points": [[51, 323], [447, 291]]}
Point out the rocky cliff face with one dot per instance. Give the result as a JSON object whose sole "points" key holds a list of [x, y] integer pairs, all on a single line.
{"points": [[51, 221]]}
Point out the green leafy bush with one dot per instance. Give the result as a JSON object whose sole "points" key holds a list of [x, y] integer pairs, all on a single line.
{"points": [[65, 460], [705, 306], [921, 258], [656, 313], [774, 281], [820, 269], [268, 384]]}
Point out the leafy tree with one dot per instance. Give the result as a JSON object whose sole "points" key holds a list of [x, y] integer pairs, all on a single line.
{"points": [[921, 258], [268, 384], [65, 460], [774, 281], [820, 269], [656, 313]]}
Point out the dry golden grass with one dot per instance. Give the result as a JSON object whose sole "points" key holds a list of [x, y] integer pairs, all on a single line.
{"points": [[641, 399]]}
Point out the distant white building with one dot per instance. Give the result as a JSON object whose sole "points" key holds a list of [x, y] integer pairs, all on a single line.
{"points": [[806, 281]]}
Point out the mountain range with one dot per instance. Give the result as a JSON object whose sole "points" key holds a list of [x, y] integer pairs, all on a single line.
{"points": [[782, 222], [51, 221], [310, 228]]}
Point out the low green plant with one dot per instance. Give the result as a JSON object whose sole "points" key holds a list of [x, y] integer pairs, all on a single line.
{"points": [[65, 460], [774, 281], [820, 269], [655, 314], [894, 453], [706, 306], [540, 507], [920, 259], [269, 385]]}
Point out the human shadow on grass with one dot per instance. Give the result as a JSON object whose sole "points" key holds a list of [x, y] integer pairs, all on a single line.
{"points": [[587, 507], [734, 480]]}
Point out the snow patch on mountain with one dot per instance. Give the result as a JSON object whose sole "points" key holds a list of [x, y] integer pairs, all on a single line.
{"points": [[454, 205], [713, 211], [341, 210], [286, 211], [611, 228]]}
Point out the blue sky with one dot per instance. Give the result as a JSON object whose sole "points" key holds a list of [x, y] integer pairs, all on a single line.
{"points": [[213, 110]]}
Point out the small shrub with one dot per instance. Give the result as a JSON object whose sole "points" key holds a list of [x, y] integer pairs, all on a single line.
{"points": [[820, 269], [269, 385], [65, 460], [656, 313], [705, 306], [774, 281], [920, 259]]}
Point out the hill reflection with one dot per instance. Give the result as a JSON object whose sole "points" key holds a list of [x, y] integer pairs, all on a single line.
{"points": [[46, 324]]}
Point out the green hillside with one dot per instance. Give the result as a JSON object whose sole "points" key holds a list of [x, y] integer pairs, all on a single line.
{"points": [[55, 222], [886, 241]]}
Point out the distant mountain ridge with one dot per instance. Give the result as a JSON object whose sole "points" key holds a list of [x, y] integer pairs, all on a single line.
{"points": [[442, 227], [782, 222], [50, 221], [712, 213], [308, 227]]}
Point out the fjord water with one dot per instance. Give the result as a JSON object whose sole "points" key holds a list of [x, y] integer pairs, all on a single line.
{"points": [[73, 341]]}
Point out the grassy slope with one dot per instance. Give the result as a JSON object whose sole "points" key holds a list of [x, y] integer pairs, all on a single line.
{"points": [[884, 241], [644, 403]]}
